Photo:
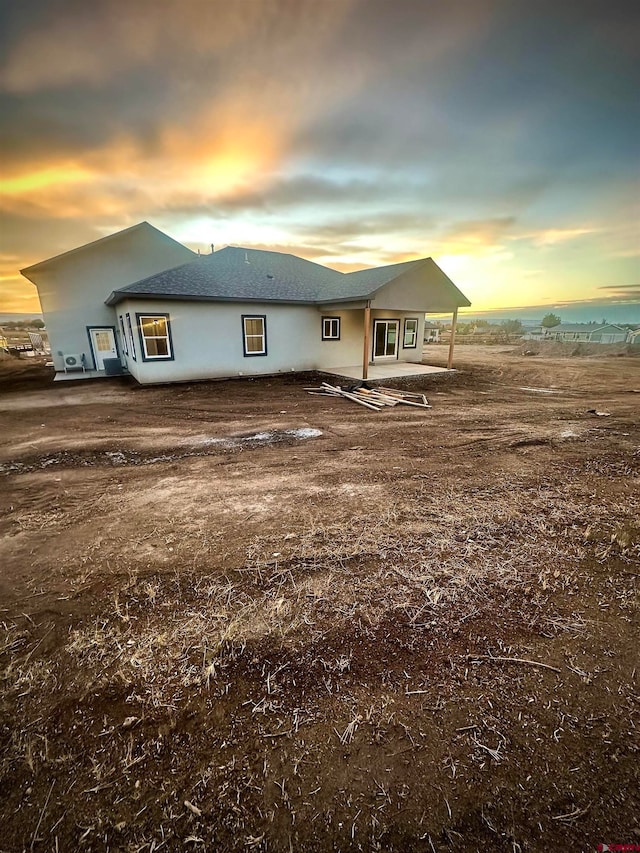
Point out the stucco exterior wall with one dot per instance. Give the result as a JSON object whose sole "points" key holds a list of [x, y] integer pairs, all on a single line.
{"points": [[73, 289], [348, 350], [207, 339], [426, 289]]}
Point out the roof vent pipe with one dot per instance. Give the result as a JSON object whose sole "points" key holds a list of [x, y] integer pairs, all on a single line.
{"points": [[212, 248]]}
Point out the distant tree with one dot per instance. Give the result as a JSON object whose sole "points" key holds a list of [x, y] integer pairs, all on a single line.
{"points": [[512, 327], [550, 320], [37, 324]]}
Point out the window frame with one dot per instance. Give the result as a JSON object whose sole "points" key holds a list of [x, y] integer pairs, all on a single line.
{"points": [[125, 343], [132, 340], [325, 336], [414, 345], [156, 315], [243, 319], [397, 322]]}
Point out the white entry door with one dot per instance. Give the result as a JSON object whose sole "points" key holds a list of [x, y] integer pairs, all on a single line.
{"points": [[385, 338], [103, 343]]}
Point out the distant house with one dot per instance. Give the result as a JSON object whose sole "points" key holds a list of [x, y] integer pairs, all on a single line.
{"points": [[431, 334], [141, 302], [592, 333], [535, 333], [588, 333]]}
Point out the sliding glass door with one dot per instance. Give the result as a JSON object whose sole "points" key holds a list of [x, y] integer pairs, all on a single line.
{"points": [[385, 338]]}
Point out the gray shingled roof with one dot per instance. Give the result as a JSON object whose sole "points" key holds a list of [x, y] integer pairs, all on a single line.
{"points": [[238, 274], [377, 276]]}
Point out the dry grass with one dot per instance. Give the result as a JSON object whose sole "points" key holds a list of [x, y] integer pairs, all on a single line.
{"points": [[417, 562]]}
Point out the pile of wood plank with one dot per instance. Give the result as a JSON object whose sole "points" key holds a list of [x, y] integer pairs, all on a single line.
{"points": [[376, 399]]}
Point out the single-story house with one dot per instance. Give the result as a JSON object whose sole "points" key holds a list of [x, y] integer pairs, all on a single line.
{"points": [[592, 333], [534, 333], [432, 334], [141, 302]]}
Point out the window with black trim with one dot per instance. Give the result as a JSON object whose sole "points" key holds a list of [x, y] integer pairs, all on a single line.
{"points": [[331, 328], [410, 333], [125, 345], [154, 336], [132, 341], [254, 334]]}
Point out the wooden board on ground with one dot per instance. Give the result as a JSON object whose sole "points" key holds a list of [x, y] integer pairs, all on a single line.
{"points": [[372, 398]]}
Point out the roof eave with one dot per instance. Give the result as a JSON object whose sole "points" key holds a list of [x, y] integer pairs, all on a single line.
{"points": [[356, 297], [120, 295]]}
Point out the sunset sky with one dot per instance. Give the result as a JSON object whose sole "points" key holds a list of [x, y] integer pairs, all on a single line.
{"points": [[500, 137]]}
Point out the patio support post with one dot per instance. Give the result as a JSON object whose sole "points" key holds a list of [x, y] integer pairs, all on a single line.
{"points": [[454, 322], [365, 352]]}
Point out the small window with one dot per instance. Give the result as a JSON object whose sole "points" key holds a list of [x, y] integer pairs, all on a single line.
{"points": [[154, 336], [331, 328], [410, 333], [254, 335], [132, 342], [125, 345], [103, 341]]}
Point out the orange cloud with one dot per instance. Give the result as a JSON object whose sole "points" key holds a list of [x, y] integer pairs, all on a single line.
{"points": [[223, 150], [44, 178], [554, 236], [17, 295], [213, 157], [233, 140]]}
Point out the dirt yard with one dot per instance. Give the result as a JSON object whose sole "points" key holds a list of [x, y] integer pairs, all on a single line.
{"points": [[237, 617]]}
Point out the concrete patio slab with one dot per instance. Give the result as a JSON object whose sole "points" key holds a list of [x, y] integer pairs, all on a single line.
{"points": [[397, 370]]}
